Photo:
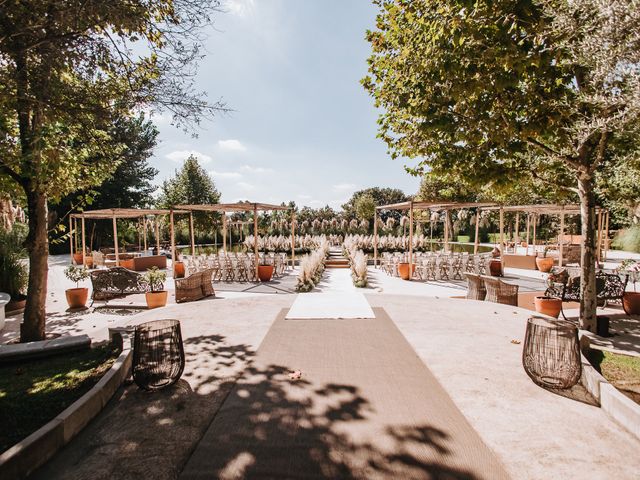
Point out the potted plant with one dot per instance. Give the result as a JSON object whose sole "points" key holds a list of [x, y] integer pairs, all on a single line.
{"points": [[157, 296], [404, 271], [14, 274], [76, 297], [544, 263], [631, 300], [265, 270]]}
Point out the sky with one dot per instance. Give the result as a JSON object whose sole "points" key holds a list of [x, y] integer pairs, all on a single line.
{"points": [[302, 126]]}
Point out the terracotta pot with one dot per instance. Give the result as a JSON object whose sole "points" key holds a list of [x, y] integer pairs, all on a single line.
{"points": [[15, 304], [89, 261], [179, 270], [403, 270], [127, 263], [156, 299], [77, 297], [265, 272], [77, 258], [495, 268], [631, 303], [544, 264], [548, 306]]}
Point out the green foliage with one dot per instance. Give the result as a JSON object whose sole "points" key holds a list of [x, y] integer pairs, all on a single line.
{"points": [[628, 239], [381, 196], [191, 185], [76, 273], [13, 269], [155, 278], [365, 207]]}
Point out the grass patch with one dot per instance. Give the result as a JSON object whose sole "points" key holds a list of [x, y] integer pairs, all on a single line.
{"points": [[34, 392], [622, 371]]}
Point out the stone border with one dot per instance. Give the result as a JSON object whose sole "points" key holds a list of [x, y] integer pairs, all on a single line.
{"points": [[616, 404], [35, 450]]}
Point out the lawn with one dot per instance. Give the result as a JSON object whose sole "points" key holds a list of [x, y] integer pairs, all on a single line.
{"points": [[34, 392], [622, 371]]}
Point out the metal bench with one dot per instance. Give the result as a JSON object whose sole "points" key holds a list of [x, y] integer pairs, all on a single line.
{"points": [[116, 282], [609, 287]]}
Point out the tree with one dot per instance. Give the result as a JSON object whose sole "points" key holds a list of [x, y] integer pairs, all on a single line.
{"points": [[365, 207], [68, 70], [128, 187], [381, 196], [494, 92], [191, 185]]}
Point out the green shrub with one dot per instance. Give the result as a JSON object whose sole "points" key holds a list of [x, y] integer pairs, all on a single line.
{"points": [[14, 274], [628, 239]]}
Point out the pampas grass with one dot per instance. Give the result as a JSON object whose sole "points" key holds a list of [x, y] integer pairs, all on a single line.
{"points": [[312, 267]]}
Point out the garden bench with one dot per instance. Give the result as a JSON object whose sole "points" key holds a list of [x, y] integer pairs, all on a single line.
{"points": [[116, 282], [609, 287]]}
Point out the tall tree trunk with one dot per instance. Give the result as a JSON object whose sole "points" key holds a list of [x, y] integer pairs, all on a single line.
{"points": [[32, 328], [588, 300]]}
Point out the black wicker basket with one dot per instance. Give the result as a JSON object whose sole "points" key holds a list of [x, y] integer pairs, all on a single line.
{"points": [[158, 354], [551, 353]]}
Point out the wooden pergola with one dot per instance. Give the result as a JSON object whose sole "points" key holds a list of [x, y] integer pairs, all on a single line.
{"points": [[114, 214], [233, 207], [534, 211], [412, 205]]}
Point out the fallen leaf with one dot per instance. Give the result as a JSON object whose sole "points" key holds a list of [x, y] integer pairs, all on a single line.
{"points": [[515, 342]]}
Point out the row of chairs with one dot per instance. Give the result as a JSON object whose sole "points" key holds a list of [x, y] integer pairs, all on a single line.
{"points": [[234, 267], [438, 266]]}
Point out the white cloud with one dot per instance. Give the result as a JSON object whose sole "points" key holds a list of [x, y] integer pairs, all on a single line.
{"points": [[239, 8], [250, 169], [225, 174], [231, 145], [181, 155], [305, 197], [245, 186], [344, 186]]}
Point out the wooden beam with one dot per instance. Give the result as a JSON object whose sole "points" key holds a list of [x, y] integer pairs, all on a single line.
{"points": [[293, 238], [224, 231], [375, 238], [255, 238], [501, 229], [192, 235], [411, 241], [84, 248], [157, 235], [144, 233], [115, 241], [606, 235], [534, 216], [516, 238], [561, 240], [174, 257], [528, 228], [476, 243], [71, 238], [446, 231], [599, 247]]}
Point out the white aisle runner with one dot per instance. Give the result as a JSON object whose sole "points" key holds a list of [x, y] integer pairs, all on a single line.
{"points": [[338, 298]]}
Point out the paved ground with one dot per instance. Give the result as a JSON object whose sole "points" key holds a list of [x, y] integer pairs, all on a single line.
{"points": [[365, 407]]}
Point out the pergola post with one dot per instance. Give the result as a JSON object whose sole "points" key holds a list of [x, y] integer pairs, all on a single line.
{"points": [[293, 238], [173, 244], [115, 241], [192, 235], [71, 237], [516, 237], [528, 228], [255, 238], [606, 235], [561, 240], [411, 240], [375, 238], [476, 242], [224, 231], [446, 231], [84, 262], [599, 247], [144, 233], [534, 215], [139, 236], [157, 235], [501, 229]]}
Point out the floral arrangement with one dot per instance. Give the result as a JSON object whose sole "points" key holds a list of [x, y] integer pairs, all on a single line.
{"points": [[359, 268], [632, 268], [387, 243], [312, 268], [282, 243]]}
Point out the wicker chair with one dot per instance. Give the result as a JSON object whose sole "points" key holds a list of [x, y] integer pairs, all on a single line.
{"points": [[500, 292], [475, 287]]}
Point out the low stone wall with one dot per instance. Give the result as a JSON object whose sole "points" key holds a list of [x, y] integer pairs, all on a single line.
{"points": [[35, 450], [618, 406]]}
